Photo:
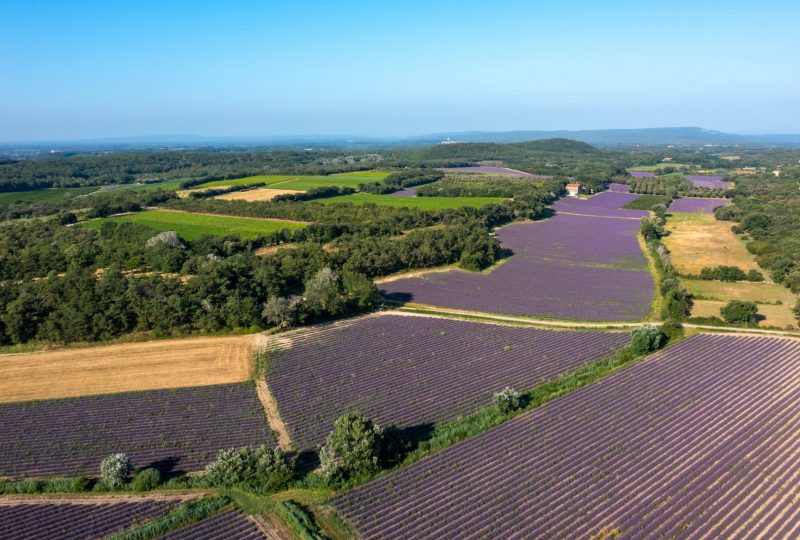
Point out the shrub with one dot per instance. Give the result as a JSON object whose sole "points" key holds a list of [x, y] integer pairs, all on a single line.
{"points": [[507, 400], [352, 448], [659, 209], [723, 273], [258, 468], [755, 275], [740, 312], [80, 484], [146, 480], [796, 311], [672, 329], [299, 520], [645, 339], [115, 469]]}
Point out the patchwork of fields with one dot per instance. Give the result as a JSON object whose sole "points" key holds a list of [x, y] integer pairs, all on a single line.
{"points": [[584, 263], [698, 441], [149, 365], [173, 430], [415, 371], [191, 226]]}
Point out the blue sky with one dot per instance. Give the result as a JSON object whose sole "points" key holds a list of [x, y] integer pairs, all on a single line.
{"points": [[79, 69]]}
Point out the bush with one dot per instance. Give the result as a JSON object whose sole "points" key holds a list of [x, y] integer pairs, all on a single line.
{"points": [[258, 468], [115, 469], [723, 273], [81, 484], [740, 312], [352, 448], [672, 329], [645, 339], [299, 520], [755, 275], [507, 400], [146, 480]]}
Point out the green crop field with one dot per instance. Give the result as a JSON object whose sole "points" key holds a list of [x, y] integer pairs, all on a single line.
{"points": [[44, 195], [191, 226], [264, 178], [424, 203], [303, 183], [645, 202]]}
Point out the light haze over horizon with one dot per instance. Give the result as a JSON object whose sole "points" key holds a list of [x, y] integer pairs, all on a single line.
{"points": [[87, 70]]}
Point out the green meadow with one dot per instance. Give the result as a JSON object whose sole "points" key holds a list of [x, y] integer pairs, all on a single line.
{"points": [[191, 226], [44, 195]]}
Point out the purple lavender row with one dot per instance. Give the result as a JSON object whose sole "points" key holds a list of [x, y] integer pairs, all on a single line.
{"points": [[57, 521], [709, 419], [229, 525], [498, 170], [411, 371], [174, 430], [618, 188], [569, 266], [641, 174], [705, 181], [697, 205]]}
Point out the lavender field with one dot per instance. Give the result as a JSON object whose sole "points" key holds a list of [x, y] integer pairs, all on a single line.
{"points": [[408, 192], [584, 263], [412, 370], [497, 170], [173, 430], [709, 182], [229, 525], [698, 441], [697, 205], [641, 174], [87, 520], [618, 188]]}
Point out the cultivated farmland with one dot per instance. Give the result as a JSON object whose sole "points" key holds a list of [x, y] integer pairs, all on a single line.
{"points": [[44, 195], [584, 263], [191, 226], [709, 182], [698, 441], [697, 205], [180, 430], [149, 365], [84, 519], [258, 194], [424, 203], [229, 525], [415, 371], [497, 170]]}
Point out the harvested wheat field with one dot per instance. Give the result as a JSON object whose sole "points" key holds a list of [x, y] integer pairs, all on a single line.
{"points": [[699, 240], [779, 316], [186, 193], [149, 365], [255, 195]]}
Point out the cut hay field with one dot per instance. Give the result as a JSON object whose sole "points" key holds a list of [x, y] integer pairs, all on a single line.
{"points": [[424, 203], [44, 195], [150, 365], [265, 179], [710, 296], [303, 183], [255, 195], [191, 226], [699, 240], [777, 316]]}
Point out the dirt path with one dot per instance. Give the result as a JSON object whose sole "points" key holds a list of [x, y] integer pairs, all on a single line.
{"points": [[273, 418]]}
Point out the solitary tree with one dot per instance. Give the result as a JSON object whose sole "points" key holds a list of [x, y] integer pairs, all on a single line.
{"points": [[740, 312], [507, 400], [115, 469], [645, 339], [352, 448]]}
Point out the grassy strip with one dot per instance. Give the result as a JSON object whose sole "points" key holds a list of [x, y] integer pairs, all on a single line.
{"points": [[299, 520], [657, 270], [185, 514], [645, 202]]}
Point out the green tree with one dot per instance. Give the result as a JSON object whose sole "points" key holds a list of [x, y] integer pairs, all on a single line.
{"points": [[352, 448], [115, 470], [645, 339], [740, 312]]}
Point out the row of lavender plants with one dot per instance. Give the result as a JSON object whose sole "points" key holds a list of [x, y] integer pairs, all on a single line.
{"points": [[170, 430], [698, 441], [414, 371]]}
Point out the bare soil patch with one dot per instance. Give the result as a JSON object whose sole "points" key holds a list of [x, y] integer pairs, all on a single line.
{"points": [[273, 417], [149, 365]]}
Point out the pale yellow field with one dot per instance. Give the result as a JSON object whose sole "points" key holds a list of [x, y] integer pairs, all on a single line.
{"points": [[185, 193], [255, 195], [698, 240], [779, 316], [106, 369]]}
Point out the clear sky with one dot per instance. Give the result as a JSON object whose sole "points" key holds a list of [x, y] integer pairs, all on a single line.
{"points": [[79, 69]]}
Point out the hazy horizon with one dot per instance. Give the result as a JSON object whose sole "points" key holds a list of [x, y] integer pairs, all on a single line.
{"points": [[81, 70]]}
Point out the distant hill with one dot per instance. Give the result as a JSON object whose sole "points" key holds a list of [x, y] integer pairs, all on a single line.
{"points": [[619, 137]]}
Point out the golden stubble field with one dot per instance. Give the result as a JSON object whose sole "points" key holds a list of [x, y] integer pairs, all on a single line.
{"points": [[256, 195], [150, 365]]}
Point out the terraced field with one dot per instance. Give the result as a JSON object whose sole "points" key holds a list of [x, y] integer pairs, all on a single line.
{"points": [[85, 519], [415, 371], [173, 430], [699, 441], [191, 226]]}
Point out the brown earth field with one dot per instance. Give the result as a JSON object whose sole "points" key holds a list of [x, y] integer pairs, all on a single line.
{"points": [[255, 195], [150, 365]]}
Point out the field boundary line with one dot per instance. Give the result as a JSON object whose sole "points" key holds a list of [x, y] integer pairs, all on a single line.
{"points": [[276, 423], [89, 500], [597, 216]]}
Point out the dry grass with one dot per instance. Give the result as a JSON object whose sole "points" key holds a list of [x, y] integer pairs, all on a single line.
{"points": [[255, 195], [123, 367], [698, 242], [186, 193], [778, 316]]}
